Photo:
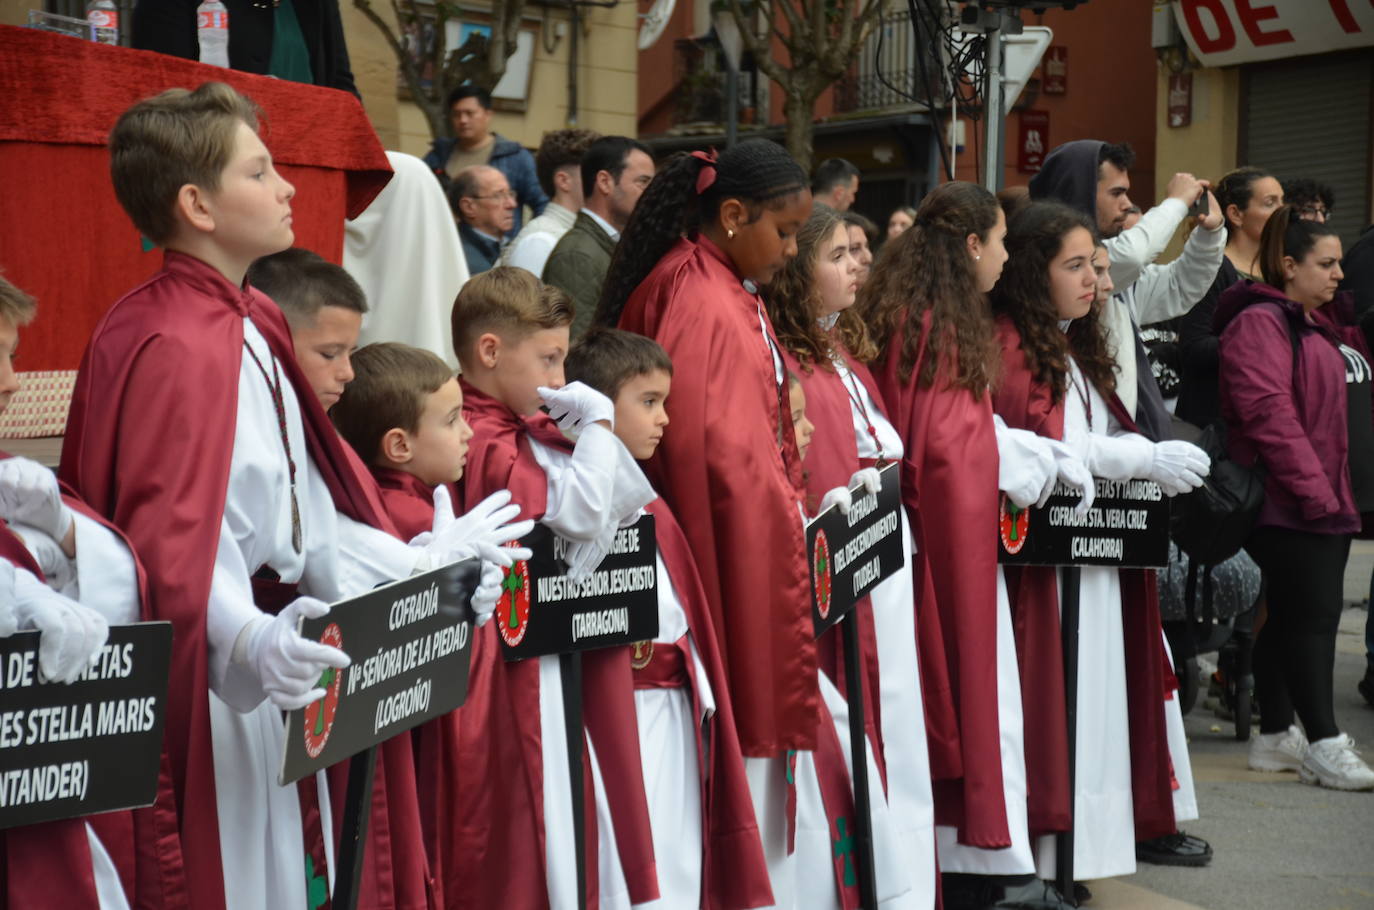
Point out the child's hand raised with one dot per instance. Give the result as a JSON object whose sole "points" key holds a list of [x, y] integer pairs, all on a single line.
{"points": [[577, 405]]}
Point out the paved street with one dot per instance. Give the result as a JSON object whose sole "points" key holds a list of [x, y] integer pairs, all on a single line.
{"points": [[1280, 844]]}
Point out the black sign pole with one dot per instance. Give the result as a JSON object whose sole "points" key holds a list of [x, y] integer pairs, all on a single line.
{"points": [[1068, 622], [858, 751], [570, 666], [353, 841]]}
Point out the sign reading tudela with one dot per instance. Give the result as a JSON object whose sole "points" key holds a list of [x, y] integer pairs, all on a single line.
{"points": [[850, 554], [92, 746], [543, 611], [410, 643], [1127, 526]]}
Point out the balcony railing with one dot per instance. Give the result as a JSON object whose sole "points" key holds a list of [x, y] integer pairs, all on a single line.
{"points": [[887, 72], [700, 74]]}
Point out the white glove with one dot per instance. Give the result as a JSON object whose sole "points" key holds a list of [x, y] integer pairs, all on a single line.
{"points": [[488, 593], [9, 623], [1179, 466], [29, 495], [480, 532], [868, 478], [58, 570], [1026, 469], [840, 496], [70, 635], [577, 406], [289, 666], [1072, 472]]}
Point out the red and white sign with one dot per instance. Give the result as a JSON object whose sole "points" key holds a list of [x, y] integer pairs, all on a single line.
{"points": [[1033, 141], [1054, 70], [1225, 32]]}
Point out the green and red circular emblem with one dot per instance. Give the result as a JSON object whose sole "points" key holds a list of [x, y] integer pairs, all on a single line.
{"points": [[513, 609], [319, 715], [820, 574], [1013, 524]]}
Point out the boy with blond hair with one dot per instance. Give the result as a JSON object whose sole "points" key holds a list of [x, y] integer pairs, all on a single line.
{"points": [[193, 429], [706, 840], [511, 335]]}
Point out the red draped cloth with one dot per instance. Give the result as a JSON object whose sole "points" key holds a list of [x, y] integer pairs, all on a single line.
{"points": [[64, 237]]}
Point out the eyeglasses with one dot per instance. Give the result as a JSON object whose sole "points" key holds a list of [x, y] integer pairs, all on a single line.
{"points": [[1319, 212], [503, 196]]}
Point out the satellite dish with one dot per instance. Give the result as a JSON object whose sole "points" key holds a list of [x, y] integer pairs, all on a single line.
{"points": [[655, 21]]}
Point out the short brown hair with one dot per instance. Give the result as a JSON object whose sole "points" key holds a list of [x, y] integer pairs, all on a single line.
{"points": [[16, 307], [606, 359], [390, 383], [508, 301], [169, 140], [301, 282], [559, 149]]}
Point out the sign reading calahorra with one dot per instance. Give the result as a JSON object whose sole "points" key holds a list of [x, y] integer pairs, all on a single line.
{"points": [[850, 554], [1126, 527], [94, 745], [543, 611], [410, 643]]}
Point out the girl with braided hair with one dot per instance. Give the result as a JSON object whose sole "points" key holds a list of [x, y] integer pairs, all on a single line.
{"points": [[827, 346], [1058, 381], [706, 235]]}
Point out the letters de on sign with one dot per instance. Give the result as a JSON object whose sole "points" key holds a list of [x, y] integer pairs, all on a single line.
{"points": [[1225, 32]]}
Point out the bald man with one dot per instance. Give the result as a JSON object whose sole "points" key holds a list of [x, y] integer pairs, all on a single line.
{"points": [[484, 206]]}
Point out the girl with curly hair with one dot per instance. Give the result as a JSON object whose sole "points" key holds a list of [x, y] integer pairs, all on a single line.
{"points": [[1057, 380], [826, 344]]}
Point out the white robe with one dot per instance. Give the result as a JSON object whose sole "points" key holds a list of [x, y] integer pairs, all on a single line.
{"points": [[261, 842], [1185, 797]]}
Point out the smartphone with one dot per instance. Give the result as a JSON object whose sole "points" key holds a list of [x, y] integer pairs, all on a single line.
{"points": [[1199, 208]]}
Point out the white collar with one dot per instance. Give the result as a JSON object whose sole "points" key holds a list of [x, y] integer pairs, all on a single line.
{"points": [[603, 224]]}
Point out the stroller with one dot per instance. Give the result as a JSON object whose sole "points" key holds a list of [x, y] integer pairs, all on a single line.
{"points": [[1219, 617]]}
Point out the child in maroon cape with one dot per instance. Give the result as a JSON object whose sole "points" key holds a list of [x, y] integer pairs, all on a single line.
{"points": [[682, 699], [193, 429], [511, 335], [50, 544], [706, 235]]}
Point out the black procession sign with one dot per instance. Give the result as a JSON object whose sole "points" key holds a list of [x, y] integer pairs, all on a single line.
{"points": [[1127, 527], [542, 611], [94, 745], [851, 553], [410, 643]]}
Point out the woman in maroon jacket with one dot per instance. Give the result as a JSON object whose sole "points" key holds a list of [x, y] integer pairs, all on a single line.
{"points": [[1309, 422]]}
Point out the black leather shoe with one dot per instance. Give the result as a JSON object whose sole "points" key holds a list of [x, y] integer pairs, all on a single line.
{"points": [[992, 892], [1366, 687], [1178, 849], [1034, 895]]}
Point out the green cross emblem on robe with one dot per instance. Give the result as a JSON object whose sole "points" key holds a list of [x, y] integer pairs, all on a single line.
{"points": [[844, 846]]}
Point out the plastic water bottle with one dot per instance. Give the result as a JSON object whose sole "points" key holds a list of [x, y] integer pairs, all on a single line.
{"points": [[212, 28], [103, 18]]}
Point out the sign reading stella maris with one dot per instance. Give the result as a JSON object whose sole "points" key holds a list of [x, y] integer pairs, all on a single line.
{"points": [[542, 611], [1127, 527]]}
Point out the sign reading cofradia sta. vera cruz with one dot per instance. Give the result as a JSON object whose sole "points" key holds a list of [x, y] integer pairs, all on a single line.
{"points": [[94, 745], [1127, 527], [543, 611], [410, 643], [850, 554]]}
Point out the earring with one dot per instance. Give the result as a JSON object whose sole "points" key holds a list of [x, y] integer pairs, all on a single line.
{"points": [[729, 233], [978, 257]]}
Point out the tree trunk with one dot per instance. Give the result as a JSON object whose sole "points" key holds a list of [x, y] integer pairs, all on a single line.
{"points": [[797, 111]]}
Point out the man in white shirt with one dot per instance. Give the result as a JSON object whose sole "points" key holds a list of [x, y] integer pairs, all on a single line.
{"points": [[559, 166]]}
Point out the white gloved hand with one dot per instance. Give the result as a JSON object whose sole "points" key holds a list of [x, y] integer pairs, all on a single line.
{"points": [[488, 593], [869, 479], [1179, 466], [480, 532], [577, 405], [29, 495], [58, 570], [1026, 469], [9, 623], [70, 635], [289, 666], [1072, 472], [840, 496]]}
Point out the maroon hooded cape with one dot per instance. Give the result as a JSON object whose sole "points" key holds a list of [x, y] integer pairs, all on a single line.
{"points": [[949, 486], [149, 440], [1026, 403], [484, 745], [731, 474]]}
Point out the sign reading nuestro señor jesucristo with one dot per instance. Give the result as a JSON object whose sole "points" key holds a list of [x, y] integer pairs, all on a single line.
{"points": [[1127, 527], [542, 611], [94, 745]]}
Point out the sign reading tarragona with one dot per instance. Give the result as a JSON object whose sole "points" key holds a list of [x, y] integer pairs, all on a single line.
{"points": [[1225, 32]]}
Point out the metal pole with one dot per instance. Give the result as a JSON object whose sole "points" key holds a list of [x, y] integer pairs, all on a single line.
{"points": [[1068, 623], [353, 844], [570, 666], [858, 755], [993, 105]]}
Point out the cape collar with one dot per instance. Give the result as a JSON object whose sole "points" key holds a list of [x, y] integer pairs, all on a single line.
{"points": [[206, 279], [712, 251], [486, 408], [393, 479]]}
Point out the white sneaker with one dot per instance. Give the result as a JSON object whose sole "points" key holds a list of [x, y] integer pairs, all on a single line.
{"points": [[1333, 762], [1278, 751]]}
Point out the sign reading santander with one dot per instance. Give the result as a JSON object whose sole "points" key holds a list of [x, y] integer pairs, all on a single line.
{"points": [[1225, 32]]}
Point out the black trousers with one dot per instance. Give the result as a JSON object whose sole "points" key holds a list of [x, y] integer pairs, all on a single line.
{"points": [[1295, 653]]}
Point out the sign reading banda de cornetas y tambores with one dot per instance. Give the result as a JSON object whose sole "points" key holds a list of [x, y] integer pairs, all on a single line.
{"points": [[850, 554], [543, 611], [1126, 527], [410, 643], [94, 745]]}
